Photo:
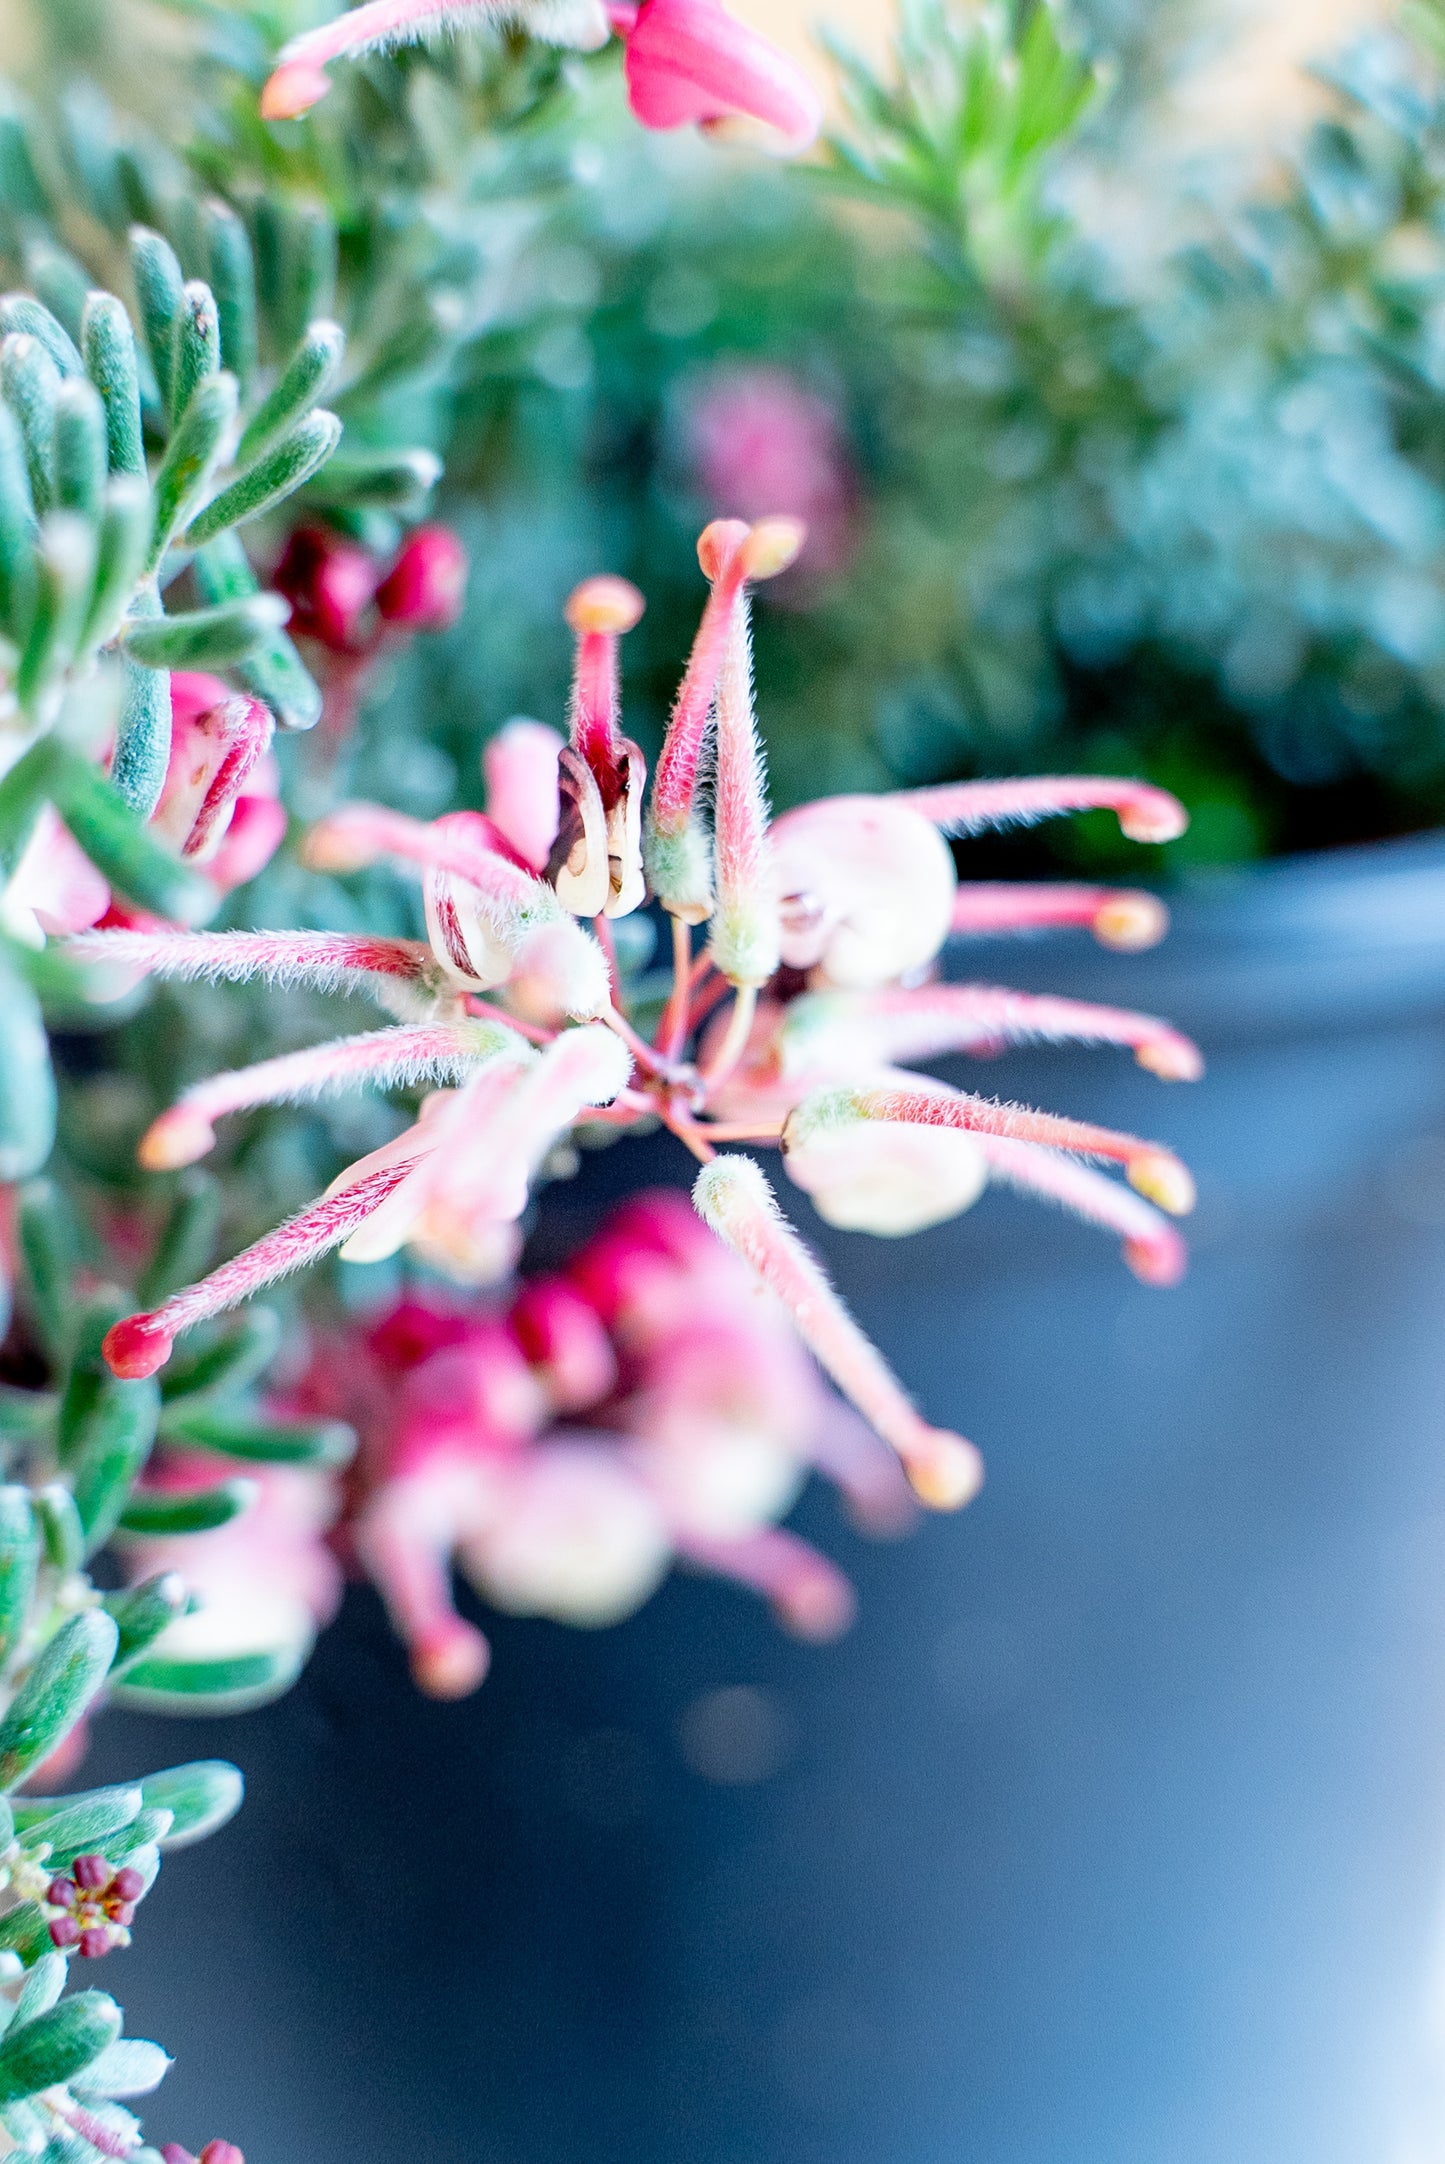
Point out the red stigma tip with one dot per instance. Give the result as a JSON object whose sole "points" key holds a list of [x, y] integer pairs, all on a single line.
{"points": [[137, 1346]]}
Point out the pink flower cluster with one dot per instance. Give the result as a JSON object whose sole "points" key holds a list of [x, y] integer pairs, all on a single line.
{"points": [[641, 1408], [686, 62], [798, 1026]]}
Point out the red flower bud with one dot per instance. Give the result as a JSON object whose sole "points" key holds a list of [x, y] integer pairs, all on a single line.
{"points": [[95, 1942], [423, 589], [91, 1872], [128, 1885], [60, 1892], [65, 1931], [330, 584]]}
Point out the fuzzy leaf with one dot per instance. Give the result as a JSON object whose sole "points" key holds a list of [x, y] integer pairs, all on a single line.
{"points": [[278, 475], [32, 319], [201, 1798], [229, 1684], [65, 573], [72, 1825], [42, 1988], [48, 1249], [125, 522], [17, 530], [109, 1454], [27, 1086], [237, 1433], [384, 480], [57, 2045], [232, 1363], [19, 1562], [275, 673], [191, 457], [309, 374], [29, 381], [80, 448], [60, 1527], [143, 738], [206, 638], [233, 280], [160, 290], [108, 343], [125, 851], [129, 2067], [187, 1238], [196, 356], [143, 1613], [66, 1676], [168, 1511]]}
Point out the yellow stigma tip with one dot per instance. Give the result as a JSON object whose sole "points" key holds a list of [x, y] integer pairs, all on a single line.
{"points": [[1161, 1179], [177, 1138], [944, 1471], [718, 543], [604, 604], [1131, 922], [772, 545]]}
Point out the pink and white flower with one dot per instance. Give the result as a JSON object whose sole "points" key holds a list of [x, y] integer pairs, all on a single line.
{"points": [[795, 1027]]}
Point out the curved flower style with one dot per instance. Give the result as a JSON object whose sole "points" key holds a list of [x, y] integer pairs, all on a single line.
{"points": [[687, 62], [795, 1027]]}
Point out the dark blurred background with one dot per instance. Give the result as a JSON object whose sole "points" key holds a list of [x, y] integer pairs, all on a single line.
{"points": [[1114, 1828]]}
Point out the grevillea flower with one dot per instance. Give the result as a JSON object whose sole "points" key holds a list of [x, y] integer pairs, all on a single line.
{"points": [[687, 62], [796, 1028]]}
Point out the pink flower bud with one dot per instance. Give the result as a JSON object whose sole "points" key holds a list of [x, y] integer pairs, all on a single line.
{"points": [[91, 1872], [330, 583], [561, 1336], [424, 589], [689, 62], [520, 766]]}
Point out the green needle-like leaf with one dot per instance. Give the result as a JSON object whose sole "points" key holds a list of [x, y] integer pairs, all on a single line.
{"points": [[311, 371], [81, 450], [160, 291], [278, 475], [108, 343], [29, 381], [236, 1433], [191, 457], [197, 353], [19, 1562], [109, 1453], [201, 1797], [129, 855], [32, 319], [27, 1086], [169, 1512], [206, 638]]}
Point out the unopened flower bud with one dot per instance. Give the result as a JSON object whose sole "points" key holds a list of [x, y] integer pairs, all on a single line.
{"points": [[330, 584], [424, 589]]}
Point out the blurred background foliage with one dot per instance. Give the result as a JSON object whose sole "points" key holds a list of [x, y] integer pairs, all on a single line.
{"points": [[1109, 463], [1122, 442]]}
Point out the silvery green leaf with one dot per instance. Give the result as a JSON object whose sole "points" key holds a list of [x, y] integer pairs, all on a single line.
{"points": [[129, 2067]]}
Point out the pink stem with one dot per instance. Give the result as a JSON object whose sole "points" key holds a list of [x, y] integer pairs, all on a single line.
{"points": [[674, 785], [1119, 917], [331, 961], [1152, 1247], [1146, 814], [1156, 1172], [735, 1199], [394, 1058], [911, 1025], [142, 1343], [809, 1595]]}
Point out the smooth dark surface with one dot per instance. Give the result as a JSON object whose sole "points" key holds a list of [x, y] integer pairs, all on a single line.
{"points": [[1114, 1831]]}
